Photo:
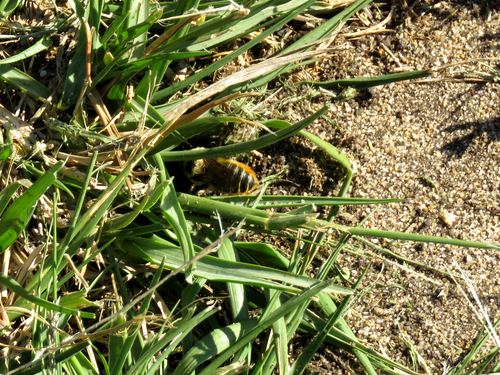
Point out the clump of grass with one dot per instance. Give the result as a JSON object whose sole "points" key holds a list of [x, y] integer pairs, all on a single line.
{"points": [[121, 260]]}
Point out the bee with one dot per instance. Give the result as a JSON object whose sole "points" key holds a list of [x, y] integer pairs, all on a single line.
{"points": [[222, 175]]}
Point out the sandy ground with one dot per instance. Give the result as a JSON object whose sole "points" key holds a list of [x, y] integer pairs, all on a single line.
{"points": [[437, 144]]}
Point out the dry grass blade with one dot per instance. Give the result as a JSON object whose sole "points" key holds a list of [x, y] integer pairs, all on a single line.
{"points": [[20, 130], [168, 34], [199, 111], [209, 249], [244, 75], [376, 29], [100, 107], [481, 312]]}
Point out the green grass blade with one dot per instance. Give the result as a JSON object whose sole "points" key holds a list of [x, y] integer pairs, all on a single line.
{"points": [[132, 231], [137, 30], [135, 329], [6, 194], [19, 213], [327, 147], [280, 333], [329, 26], [117, 341], [114, 27], [7, 7], [239, 27], [38, 365], [212, 344], [328, 307], [38, 173], [183, 327], [75, 300], [24, 82], [142, 64], [251, 252], [84, 228], [257, 217], [81, 365], [79, 204], [274, 201], [317, 33], [243, 147], [194, 129], [111, 68], [128, 218], [188, 297], [215, 269], [39, 46], [263, 324], [174, 214], [88, 221], [460, 368], [217, 65], [75, 76], [420, 238], [236, 291], [176, 31], [7, 145], [361, 83], [13, 286], [289, 221], [310, 350]]}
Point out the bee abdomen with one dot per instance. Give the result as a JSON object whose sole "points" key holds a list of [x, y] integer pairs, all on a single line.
{"points": [[243, 179]]}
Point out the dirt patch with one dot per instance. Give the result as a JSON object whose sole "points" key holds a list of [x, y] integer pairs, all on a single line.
{"points": [[436, 144]]}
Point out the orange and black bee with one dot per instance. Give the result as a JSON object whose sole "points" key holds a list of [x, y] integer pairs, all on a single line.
{"points": [[222, 175]]}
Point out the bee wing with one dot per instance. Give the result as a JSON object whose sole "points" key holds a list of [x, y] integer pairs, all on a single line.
{"points": [[226, 175], [218, 170]]}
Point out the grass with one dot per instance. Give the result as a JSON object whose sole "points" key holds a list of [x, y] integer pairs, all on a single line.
{"points": [[144, 279]]}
